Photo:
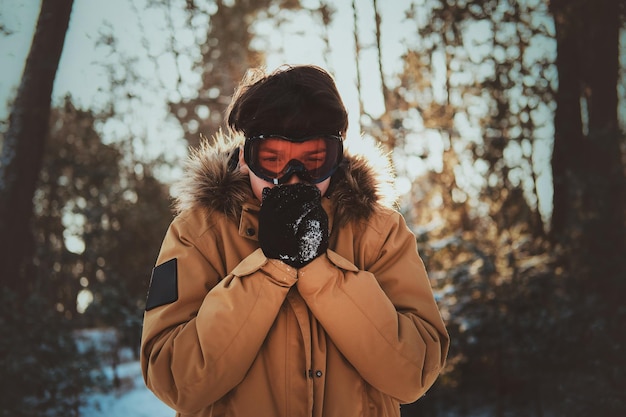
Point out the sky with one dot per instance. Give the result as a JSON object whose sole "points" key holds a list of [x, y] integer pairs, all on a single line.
{"points": [[82, 75], [156, 135]]}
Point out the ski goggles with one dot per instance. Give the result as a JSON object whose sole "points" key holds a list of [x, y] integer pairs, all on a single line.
{"points": [[276, 158]]}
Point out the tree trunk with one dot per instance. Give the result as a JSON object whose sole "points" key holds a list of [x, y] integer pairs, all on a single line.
{"points": [[24, 141], [588, 216]]}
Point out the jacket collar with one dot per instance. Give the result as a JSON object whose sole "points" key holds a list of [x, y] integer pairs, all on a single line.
{"points": [[211, 181]]}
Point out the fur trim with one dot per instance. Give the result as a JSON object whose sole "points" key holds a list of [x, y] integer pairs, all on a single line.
{"points": [[209, 180], [363, 182]]}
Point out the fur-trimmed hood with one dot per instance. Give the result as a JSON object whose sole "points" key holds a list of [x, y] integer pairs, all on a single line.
{"points": [[212, 180]]}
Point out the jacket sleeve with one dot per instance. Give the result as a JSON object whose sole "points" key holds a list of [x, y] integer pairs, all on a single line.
{"points": [[197, 348], [384, 320]]}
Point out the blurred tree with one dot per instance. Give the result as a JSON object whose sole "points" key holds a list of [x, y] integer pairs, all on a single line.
{"points": [[23, 143], [111, 210], [513, 308], [484, 64], [99, 216], [226, 54], [589, 220], [42, 370], [587, 162]]}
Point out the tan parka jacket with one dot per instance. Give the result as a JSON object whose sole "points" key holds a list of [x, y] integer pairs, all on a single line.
{"points": [[228, 332]]}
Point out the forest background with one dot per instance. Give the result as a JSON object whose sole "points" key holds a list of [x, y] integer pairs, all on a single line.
{"points": [[505, 122]]}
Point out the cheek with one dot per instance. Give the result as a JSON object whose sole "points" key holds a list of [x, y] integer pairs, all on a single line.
{"points": [[323, 186], [257, 185]]}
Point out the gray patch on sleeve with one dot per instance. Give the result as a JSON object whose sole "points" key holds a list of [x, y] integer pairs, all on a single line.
{"points": [[163, 285]]}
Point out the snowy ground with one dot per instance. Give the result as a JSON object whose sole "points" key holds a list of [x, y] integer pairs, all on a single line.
{"points": [[132, 400]]}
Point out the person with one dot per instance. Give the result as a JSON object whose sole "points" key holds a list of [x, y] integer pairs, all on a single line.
{"points": [[285, 285]]}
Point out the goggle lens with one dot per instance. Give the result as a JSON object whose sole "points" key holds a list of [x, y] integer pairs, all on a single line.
{"points": [[276, 158]]}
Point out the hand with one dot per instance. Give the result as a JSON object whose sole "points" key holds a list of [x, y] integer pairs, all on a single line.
{"points": [[293, 226]]}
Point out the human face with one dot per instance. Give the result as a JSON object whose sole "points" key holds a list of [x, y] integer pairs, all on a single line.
{"points": [[258, 184], [277, 158]]}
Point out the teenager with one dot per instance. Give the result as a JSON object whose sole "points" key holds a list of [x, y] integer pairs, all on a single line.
{"points": [[285, 286]]}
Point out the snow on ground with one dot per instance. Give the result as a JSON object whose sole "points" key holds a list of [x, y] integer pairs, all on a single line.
{"points": [[133, 400]]}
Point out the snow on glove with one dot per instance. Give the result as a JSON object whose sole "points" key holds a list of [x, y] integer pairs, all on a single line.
{"points": [[293, 226]]}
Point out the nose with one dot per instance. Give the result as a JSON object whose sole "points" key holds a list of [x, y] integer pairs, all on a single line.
{"points": [[294, 172], [294, 179]]}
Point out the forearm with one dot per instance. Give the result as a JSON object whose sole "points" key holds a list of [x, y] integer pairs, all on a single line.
{"points": [[193, 364], [398, 352]]}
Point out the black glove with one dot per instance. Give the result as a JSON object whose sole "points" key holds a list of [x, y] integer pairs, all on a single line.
{"points": [[293, 226]]}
